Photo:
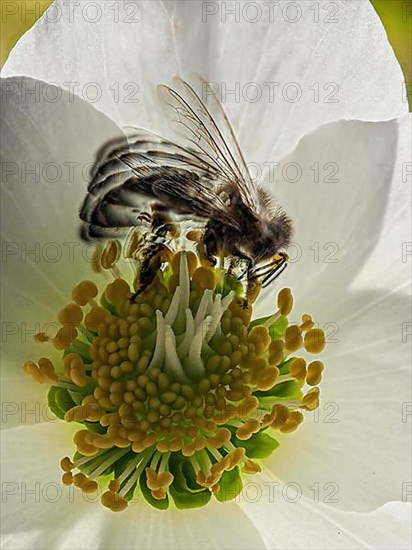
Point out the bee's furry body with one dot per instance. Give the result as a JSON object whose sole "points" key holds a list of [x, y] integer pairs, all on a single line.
{"points": [[206, 181]]}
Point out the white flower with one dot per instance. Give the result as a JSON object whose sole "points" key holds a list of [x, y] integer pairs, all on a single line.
{"points": [[362, 220]]}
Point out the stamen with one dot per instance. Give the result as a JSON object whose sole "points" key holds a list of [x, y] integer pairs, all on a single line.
{"points": [[174, 379]]}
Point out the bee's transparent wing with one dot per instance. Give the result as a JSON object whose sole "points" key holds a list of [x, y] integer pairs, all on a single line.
{"points": [[207, 135], [142, 169]]}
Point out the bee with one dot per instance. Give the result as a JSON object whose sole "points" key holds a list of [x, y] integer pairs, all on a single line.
{"points": [[205, 179]]}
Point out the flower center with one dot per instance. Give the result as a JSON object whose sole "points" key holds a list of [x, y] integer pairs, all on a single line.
{"points": [[176, 388]]}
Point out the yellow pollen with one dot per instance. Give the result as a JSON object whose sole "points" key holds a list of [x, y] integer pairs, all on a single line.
{"points": [[113, 501], [72, 314], [298, 369], [293, 338], [84, 292], [64, 337], [311, 400], [32, 370], [204, 277], [314, 375], [110, 254], [285, 301], [314, 341], [251, 467], [307, 322], [117, 292]]}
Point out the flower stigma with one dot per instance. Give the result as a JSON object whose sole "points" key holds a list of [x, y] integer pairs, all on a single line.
{"points": [[177, 392]]}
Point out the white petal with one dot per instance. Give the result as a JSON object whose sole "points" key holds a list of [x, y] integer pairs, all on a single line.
{"points": [[388, 266], [213, 527], [367, 381], [54, 516], [38, 511], [289, 520], [350, 199], [292, 68], [360, 438], [47, 148]]}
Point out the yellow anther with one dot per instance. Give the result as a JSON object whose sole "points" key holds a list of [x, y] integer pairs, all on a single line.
{"points": [[84, 292], [298, 369], [118, 291], [72, 314], [293, 421], [71, 360], [314, 341], [133, 241], [235, 458], [46, 369], [246, 407], [165, 479], [110, 254], [310, 401], [314, 375], [114, 485], [268, 378], [251, 467], [151, 479], [79, 479], [89, 486], [32, 370], [285, 301], [249, 428], [64, 337], [160, 494], [293, 338], [102, 442], [83, 441], [96, 316], [280, 414], [66, 464], [276, 352], [194, 235], [260, 337], [78, 375], [204, 277], [113, 501], [67, 478], [307, 322]]}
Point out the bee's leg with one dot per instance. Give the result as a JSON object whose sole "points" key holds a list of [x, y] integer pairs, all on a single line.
{"points": [[210, 243], [144, 217], [233, 262], [148, 269], [248, 271]]}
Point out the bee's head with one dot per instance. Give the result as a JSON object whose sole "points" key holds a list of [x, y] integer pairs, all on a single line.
{"points": [[276, 235]]}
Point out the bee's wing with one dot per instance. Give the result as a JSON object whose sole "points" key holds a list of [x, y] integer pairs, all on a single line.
{"points": [[134, 172], [207, 136]]}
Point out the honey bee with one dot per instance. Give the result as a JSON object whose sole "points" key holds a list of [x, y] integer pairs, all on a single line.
{"points": [[206, 180]]}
